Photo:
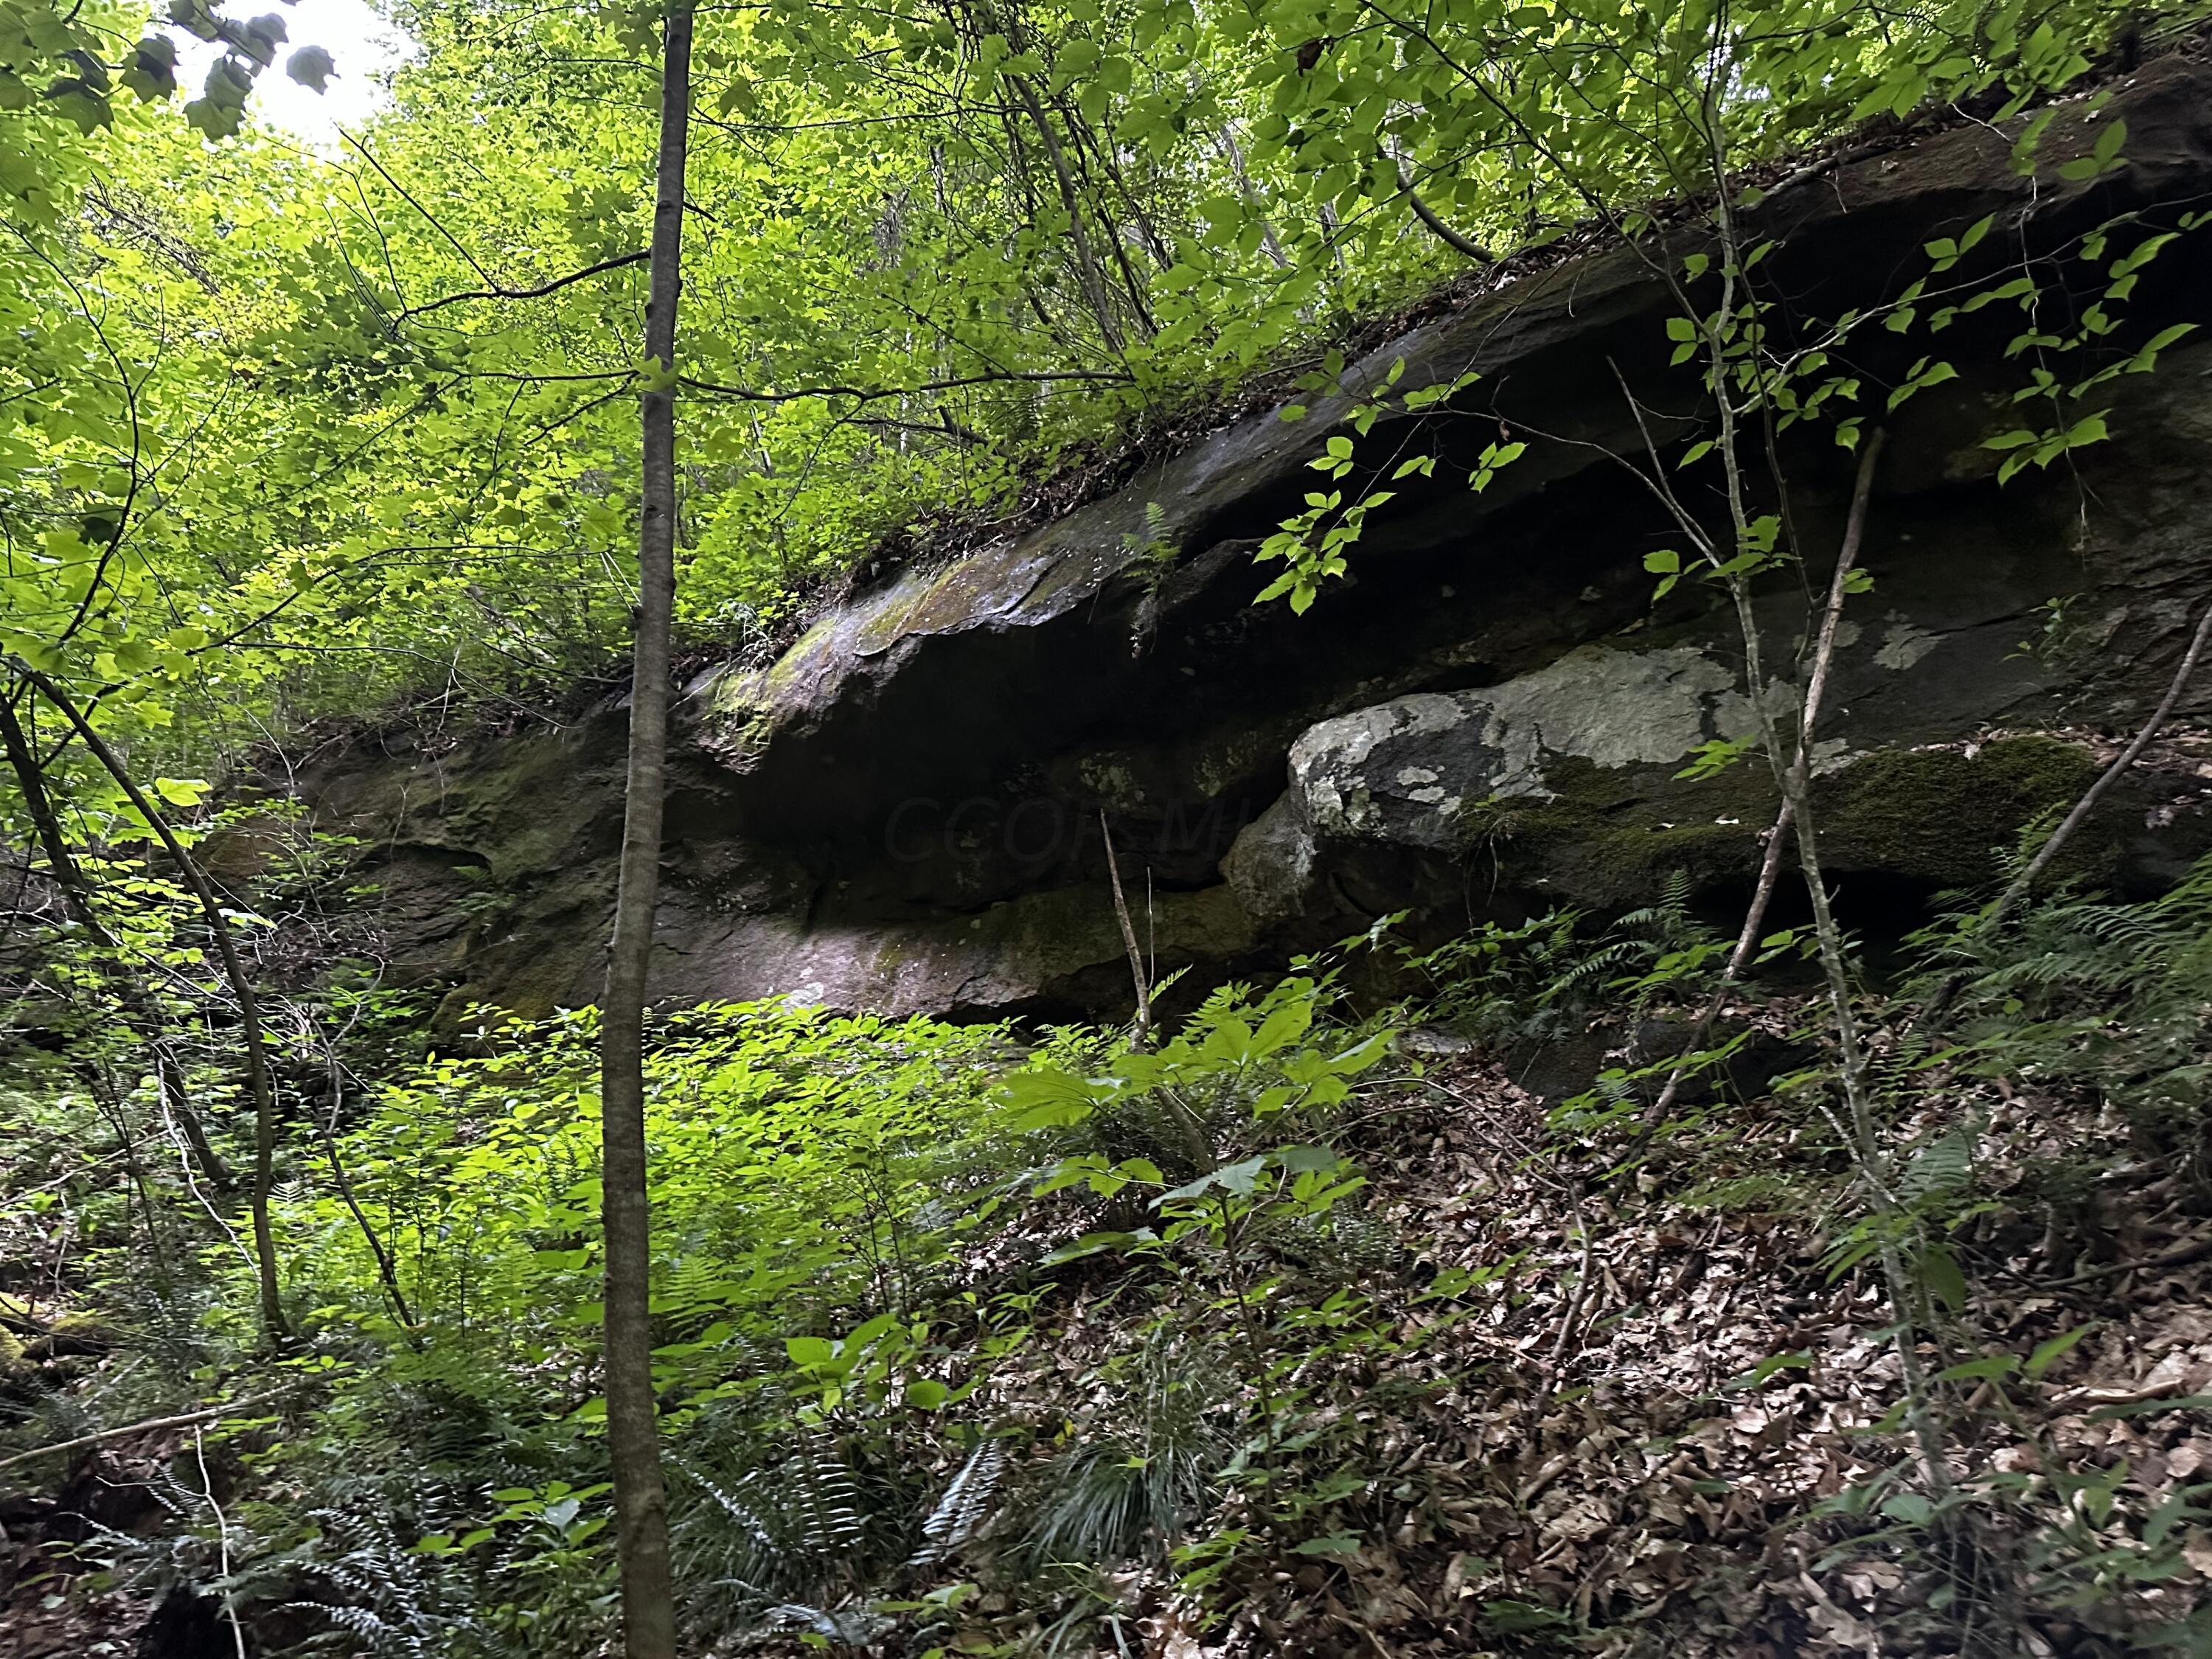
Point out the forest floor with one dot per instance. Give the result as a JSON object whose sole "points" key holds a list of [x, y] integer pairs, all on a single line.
{"points": [[1582, 1413], [1625, 1444]]}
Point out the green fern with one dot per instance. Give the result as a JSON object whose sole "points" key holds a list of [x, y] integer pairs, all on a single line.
{"points": [[965, 1510], [1144, 1468]]}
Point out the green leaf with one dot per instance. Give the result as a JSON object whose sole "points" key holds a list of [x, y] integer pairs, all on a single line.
{"points": [[1096, 1243], [1939, 1272], [1989, 1367], [2048, 1354], [219, 110], [2089, 429], [1766, 1368], [1241, 1178], [2186, 1402], [311, 66], [1367, 1052], [151, 72], [1046, 1097], [1909, 1507]]}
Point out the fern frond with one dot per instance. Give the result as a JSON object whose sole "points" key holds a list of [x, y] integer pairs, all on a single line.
{"points": [[965, 1508]]}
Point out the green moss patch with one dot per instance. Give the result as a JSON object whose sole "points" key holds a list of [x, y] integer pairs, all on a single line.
{"points": [[1944, 815]]}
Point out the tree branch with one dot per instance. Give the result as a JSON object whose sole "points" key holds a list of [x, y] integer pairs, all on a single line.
{"points": [[1800, 769], [2112, 775], [867, 395], [1142, 1036], [1429, 216], [538, 293], [276, 1328], [183, 1420]]}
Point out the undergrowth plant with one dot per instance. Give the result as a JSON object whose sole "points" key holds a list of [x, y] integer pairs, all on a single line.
{"points": [[867, 1227]]}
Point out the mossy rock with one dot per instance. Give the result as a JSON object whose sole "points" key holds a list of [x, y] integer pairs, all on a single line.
{"points": [[1947, 816], [1939, 816], [1610, 837], [73, 1333]]}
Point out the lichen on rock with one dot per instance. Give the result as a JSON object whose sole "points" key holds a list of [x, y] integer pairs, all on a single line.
{"points": [[1409, 768]]}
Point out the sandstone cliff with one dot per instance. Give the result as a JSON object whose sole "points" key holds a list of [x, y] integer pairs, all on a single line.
{"points": [[1488, 717]]}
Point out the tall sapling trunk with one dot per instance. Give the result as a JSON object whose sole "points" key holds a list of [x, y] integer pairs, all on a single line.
{"points": [[633, 1432]]}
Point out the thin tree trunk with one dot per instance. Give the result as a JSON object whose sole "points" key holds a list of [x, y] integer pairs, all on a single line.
{"points": [[1087, 143], [1101, 144], [169, 1081], [112, 1106], [1429, 216], [2008, 901], [328, 1129], [77, 897], [273, 1323], [1249, 193], [1770, 867], [1086, 261], [633, 1431], [1142, 1036], [33, 782]]}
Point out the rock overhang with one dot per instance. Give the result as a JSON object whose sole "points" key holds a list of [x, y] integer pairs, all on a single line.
{"points": [[902, 811]]}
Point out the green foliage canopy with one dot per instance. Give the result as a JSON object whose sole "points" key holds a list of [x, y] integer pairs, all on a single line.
{"points": [[286, 433]]}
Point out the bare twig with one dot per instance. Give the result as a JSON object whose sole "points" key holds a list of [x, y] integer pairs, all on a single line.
{"points": [[1947, 993], [1572, 1318], [386, 1272], [1143, 1033], [182, 1420], [2179, 1256], [1429, 216], [538, 293], [1762, 894], [877, 394], [77, 897], [222, 1540], [2112, 775]]}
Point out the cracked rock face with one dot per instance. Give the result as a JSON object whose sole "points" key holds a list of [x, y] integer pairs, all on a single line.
{"points": [[1491, 717]]}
